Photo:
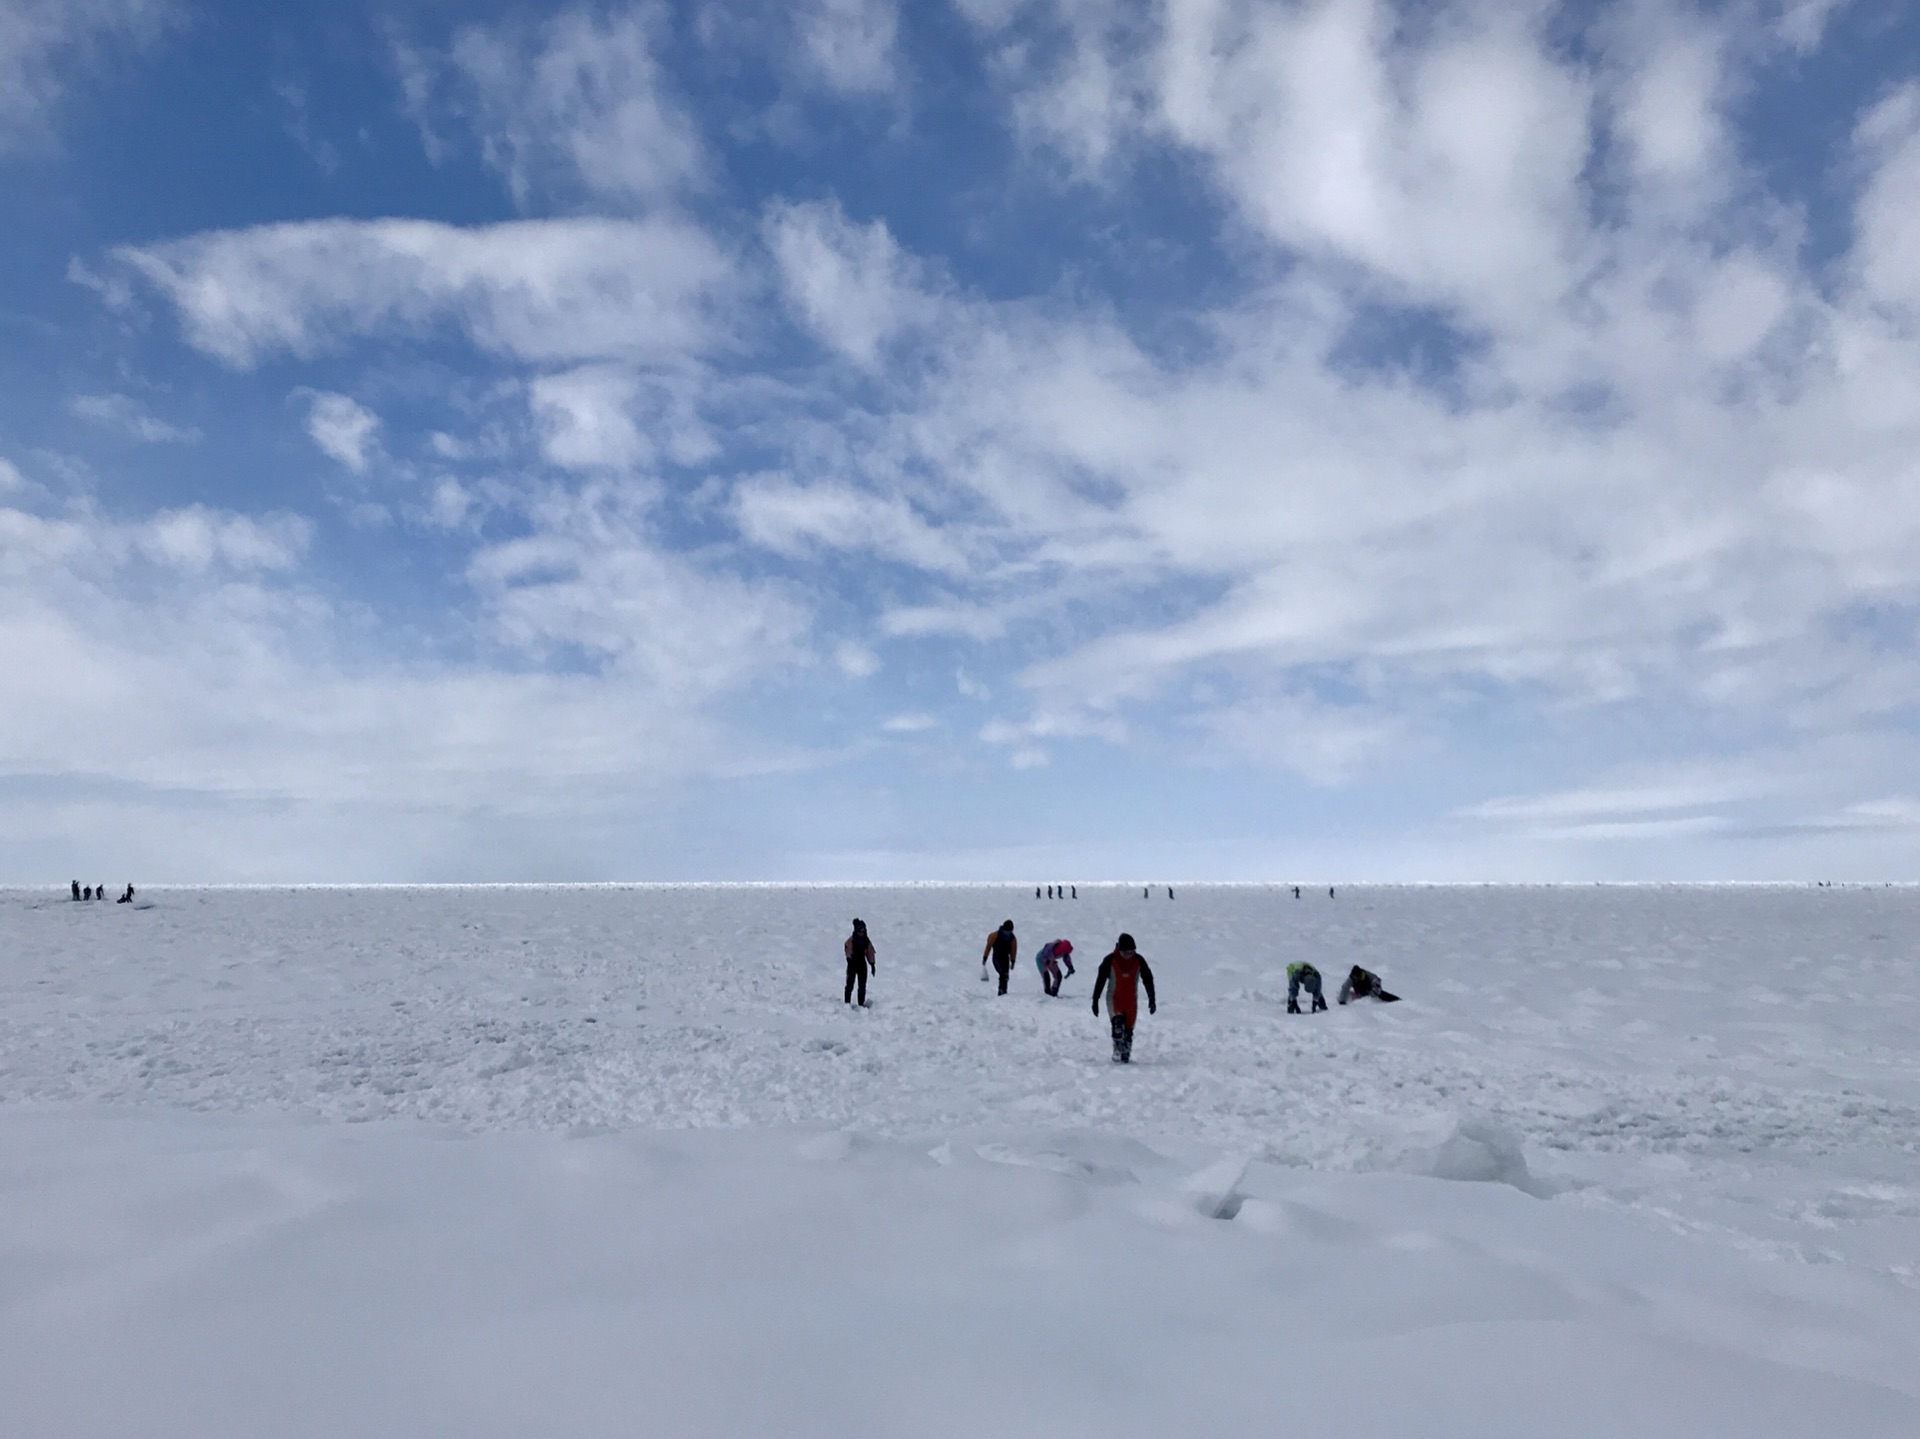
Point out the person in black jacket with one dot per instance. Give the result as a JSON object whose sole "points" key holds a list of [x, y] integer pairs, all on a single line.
{"points": [[1002, 948], [860, 959], [1364, 984]]}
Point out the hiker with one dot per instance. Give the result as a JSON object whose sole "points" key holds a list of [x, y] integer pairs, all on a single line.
{"points": [[1051, 956], [1036, 891], [860, 959], [1123, 968], [1076, 891], [1364, 984], [126, 898], [76, 889], [1003, 949], [1296, 891], [87, 893], [1302, 975]]}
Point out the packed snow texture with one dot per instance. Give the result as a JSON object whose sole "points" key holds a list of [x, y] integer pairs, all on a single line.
{"points": [[638, 1170]]}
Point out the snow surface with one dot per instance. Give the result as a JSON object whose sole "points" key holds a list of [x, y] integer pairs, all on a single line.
{"points": [[634, 1169]]}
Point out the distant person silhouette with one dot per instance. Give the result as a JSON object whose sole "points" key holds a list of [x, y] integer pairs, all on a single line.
{"points": [[1076, 890], [1296, 891], [126, 898], [860, 960], [76, 889], [87, 893]]}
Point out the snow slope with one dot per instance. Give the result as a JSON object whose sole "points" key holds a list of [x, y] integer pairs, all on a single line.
{"points": [[638, 1171]]}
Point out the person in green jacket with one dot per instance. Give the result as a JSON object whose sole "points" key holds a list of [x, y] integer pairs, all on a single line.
{"points": [[1302, 975]]}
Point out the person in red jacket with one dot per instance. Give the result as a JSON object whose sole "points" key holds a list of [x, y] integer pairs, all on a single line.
{"points": [[1124, 969]]}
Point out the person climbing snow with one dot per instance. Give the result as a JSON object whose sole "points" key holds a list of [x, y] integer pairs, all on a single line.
{"points": [[1123, 970], [1301, 975], [1051, 956], [1364, 984], [860, 960], [1002, 948]]}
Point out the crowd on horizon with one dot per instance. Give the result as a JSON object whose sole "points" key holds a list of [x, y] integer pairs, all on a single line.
{"points": [[99, 891]]}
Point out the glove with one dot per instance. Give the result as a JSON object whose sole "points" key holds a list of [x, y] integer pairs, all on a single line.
{"points": [[1152, 1008], [1096, 1007]]}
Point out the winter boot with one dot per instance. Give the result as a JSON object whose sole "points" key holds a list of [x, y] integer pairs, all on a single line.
{"points": [[1319, 1003], [1293, 1006]]}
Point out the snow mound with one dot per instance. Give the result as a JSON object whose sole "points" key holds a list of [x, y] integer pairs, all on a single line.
{"points": [[1475, 1150]]}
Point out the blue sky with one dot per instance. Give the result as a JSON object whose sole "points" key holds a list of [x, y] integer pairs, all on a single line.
{"points": [[1029, 439]]}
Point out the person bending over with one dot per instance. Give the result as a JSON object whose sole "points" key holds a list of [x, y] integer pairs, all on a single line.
{"points": [[1301, 976], [1120, 975], [1053, 954]]}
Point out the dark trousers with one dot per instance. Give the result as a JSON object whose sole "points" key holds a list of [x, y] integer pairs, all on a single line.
{"points": [[856, 978], [1310, 981], [1003, 968], [1122, 1039]]}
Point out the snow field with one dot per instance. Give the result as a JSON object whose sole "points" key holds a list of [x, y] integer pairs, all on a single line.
{"points": [[1698, 1108]]}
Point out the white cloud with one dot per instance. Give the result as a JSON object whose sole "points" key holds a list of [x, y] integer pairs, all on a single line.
{"points": [[1887, 247], [343, 428], [910, 723], [581, 101], [850, 283], [586, 421], [182, 663], [197, 539], [797, 519], [130, 417], [1668, 109], [42, 42], [849, 44], [592, 577], [1322, 743], [606, 416], [856, 661], [1699, 541], [538, 290]]}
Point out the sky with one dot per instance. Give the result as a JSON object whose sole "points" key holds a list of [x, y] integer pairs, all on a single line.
{"points": [[1043, 440]]}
